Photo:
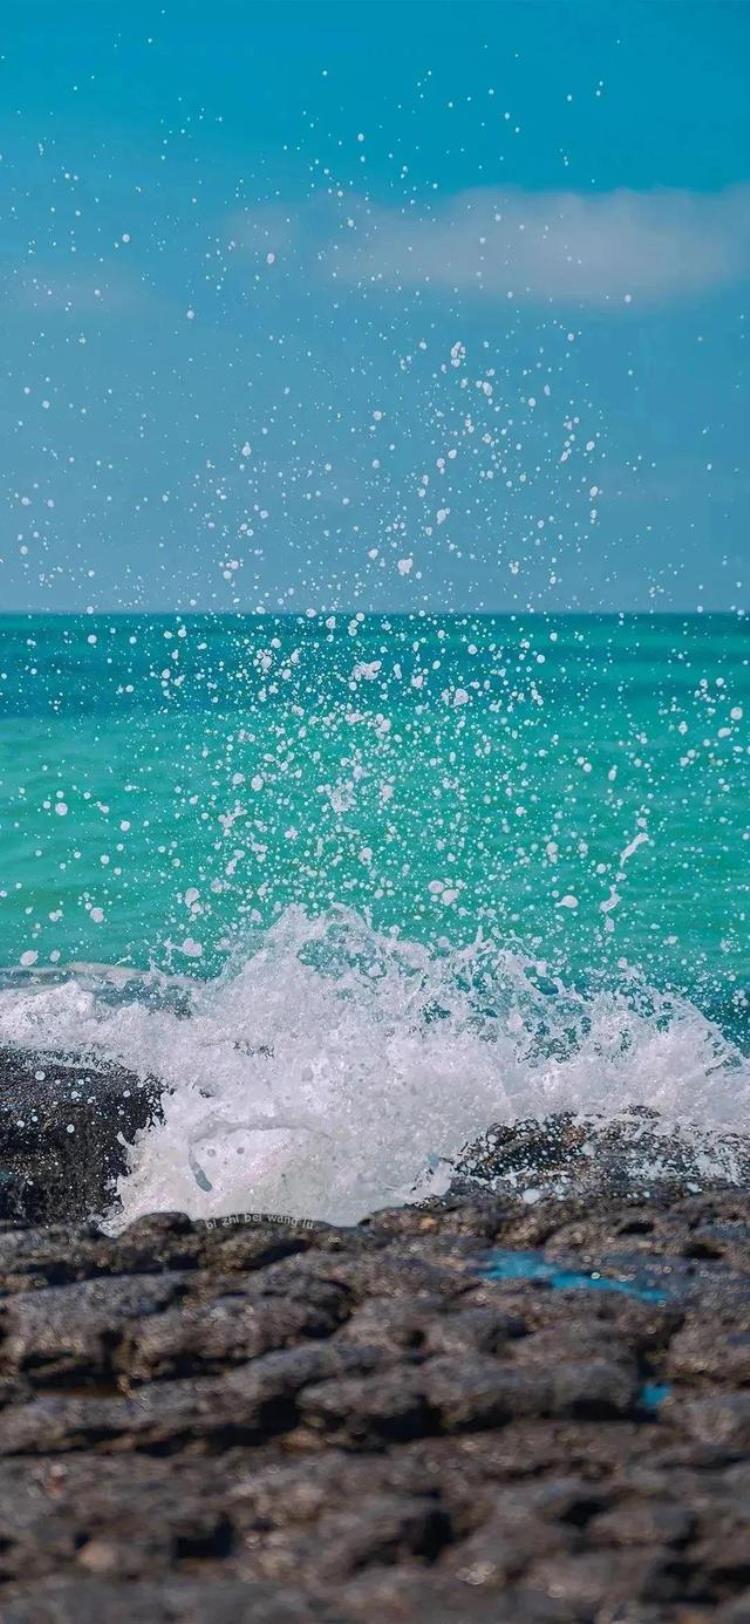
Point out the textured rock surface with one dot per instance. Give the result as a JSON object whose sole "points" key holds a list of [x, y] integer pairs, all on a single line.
{"points": [[595, 1155], [64, 1122], [277, 1422]]}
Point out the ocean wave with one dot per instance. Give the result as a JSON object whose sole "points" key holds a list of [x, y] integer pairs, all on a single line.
{"points": [[333, 1069]]}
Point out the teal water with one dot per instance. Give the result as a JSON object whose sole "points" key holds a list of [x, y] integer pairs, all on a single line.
{"points": [[502, 1264], [406, 877], [168, 784]]}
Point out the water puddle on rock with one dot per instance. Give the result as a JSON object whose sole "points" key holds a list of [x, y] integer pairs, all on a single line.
{"points": [[503, 1264]]}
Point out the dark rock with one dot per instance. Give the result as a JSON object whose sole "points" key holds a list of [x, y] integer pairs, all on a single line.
{"points": [[707, 1350], [65, 1122], [369, 1413], [208, 1337], [292, 1422], [599, 1584], [596, 1155], [499, 1552], [68, 1333], [471, 1394], [722, 1419], [255, 1402], [403, 1596], [643, 1522], [735, 1612], [378, 1528], [188, 1601], [595, 1389]]}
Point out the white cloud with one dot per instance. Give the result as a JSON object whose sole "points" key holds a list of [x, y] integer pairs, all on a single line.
{"points": [[602, 248]]}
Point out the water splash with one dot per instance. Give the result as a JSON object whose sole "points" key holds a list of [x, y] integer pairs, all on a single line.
{"points": [[333, 1069]]}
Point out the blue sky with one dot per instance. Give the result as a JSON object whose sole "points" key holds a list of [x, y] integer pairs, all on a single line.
{"points": [[378, 306]]}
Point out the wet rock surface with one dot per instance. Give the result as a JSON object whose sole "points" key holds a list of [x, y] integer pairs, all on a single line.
{"points": [[593, 1155], [65, 1123], [280, 1422]]}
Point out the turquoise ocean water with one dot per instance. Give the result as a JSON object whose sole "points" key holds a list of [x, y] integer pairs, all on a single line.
{"points": [[443, 774], [564, 802]]}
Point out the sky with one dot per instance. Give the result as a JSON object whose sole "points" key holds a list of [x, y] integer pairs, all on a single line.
{"points": [[378, 306]]}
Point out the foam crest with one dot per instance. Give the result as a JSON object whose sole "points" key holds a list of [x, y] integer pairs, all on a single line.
{"points": [[335, 1070]]}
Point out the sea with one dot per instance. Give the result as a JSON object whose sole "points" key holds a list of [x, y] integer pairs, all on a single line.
{"points": [[356, 887]]}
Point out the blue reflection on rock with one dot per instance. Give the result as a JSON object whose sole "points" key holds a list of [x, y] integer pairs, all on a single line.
{"points": [[503, 1264]]}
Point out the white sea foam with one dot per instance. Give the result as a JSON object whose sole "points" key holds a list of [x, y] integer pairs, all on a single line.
{"points": [[332, 1069]]}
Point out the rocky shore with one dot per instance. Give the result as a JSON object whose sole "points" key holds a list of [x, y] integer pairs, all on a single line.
{"points": [[482, 1412], [529, 1400]]}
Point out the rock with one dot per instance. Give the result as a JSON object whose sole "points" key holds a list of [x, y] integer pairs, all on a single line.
{"points": [[723, 1419], [278, 1422], [708, 1349], [65, 1122], [471, 1394], [599, 1584], [369, 1413], [595, 1154], [255, 1402], [66, 1333], [595, 1388], [226, 1330], [190, 1601], [735, 1612], [643, 1522]]}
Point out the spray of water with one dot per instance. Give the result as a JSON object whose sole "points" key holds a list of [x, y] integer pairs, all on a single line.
{"points": [[333, 1069]]}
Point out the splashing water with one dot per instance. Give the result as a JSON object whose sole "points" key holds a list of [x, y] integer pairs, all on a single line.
{"points": [[576, 783], [334, 1069]]}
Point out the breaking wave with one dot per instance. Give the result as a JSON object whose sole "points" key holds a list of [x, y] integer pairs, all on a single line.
{"points": [[334, 1070]]}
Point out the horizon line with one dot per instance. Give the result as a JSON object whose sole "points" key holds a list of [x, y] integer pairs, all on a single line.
{"points": [[372, 614]]}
